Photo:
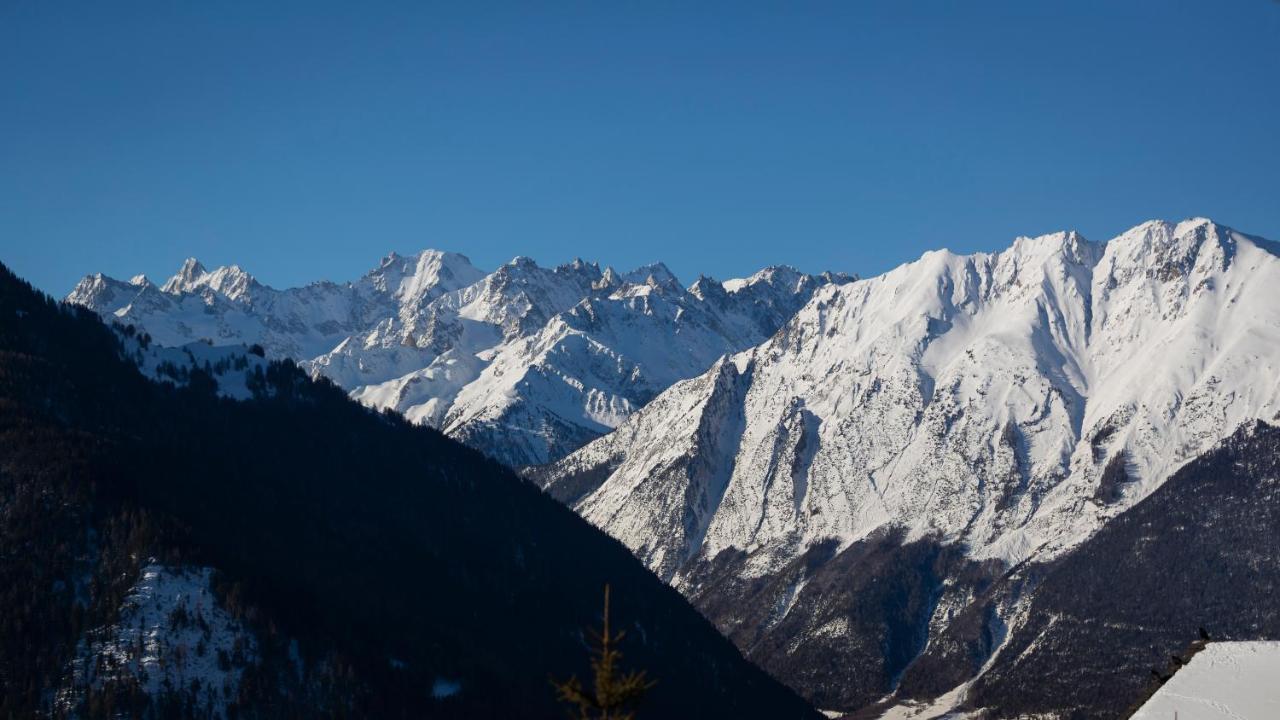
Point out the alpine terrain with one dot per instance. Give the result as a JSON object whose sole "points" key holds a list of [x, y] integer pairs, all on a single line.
{"points": [[169, 551], [525, 363], [949, 486]]}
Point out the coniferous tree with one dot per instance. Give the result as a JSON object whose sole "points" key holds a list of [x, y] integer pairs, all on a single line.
{"points": [[615, 693]]}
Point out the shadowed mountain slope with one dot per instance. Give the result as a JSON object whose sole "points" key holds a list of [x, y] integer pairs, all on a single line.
{"points": [[336, 561]]}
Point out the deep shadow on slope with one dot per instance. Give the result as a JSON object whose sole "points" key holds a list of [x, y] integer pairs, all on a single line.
{"points": [[863, 611], [1203, 550], [364, 538]]}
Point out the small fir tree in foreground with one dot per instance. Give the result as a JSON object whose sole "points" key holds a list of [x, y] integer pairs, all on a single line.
{"points": [[615, 693]]}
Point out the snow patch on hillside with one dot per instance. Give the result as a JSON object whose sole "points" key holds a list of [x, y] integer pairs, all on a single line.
{"points": [[232, 367], [172, 637]]}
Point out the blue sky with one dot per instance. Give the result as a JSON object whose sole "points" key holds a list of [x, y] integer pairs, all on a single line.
{"points": [[306, 141]]}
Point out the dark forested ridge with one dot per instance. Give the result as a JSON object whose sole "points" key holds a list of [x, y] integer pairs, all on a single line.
{"points": [[384, 555]]}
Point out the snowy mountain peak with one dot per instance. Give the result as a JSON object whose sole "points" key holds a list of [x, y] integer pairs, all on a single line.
{"points": [[1192, 224], [785, 276], [525, 362], [1068, 243], [653, 274], [706, 287], [229, 281], [91, 291], [610, 278], [771, 274], [186, 277], [417, 279], [580, 265], [1186, 236]]}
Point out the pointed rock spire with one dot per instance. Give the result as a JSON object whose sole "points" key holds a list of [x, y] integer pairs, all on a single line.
{"points": [[190, 272]]}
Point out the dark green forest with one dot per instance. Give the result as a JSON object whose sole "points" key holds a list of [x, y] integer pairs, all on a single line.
{"points": [[354, 534]]}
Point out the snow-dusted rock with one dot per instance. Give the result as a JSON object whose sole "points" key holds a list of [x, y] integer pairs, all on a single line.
{"points": [[526, 363], [907, 436], [976, 398]]}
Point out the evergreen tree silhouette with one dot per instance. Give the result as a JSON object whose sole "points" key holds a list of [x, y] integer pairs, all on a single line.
{"points": [[615, 693]]}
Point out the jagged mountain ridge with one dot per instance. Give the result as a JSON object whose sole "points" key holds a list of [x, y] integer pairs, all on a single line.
{"points": [[1006, 404], [526, 363]]}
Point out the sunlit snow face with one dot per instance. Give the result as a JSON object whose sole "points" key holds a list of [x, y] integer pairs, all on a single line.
{"points": [[527, 363]]}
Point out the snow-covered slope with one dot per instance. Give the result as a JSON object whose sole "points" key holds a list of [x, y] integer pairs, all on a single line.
{"points": [[1225, 681], [173, 637], [235, 370], [1004, 404], [526, 363], [980, 398]]}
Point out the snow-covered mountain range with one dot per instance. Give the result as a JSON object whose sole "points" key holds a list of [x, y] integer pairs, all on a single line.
{"points": [[525, 363], [883, 490], [1002, 407]]}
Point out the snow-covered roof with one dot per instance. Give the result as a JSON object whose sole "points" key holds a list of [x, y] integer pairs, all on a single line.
{"points": [[1225, 681]]}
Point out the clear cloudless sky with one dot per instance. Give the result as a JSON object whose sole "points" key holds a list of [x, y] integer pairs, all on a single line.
{"points": [[306, 140]]}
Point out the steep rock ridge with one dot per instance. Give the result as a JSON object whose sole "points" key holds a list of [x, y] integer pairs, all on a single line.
{"points": [[526, 363], [1008, 404], [687, 485]]}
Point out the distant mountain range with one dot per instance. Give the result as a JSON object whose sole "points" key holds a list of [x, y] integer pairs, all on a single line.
{"points": [[525, 363]]}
